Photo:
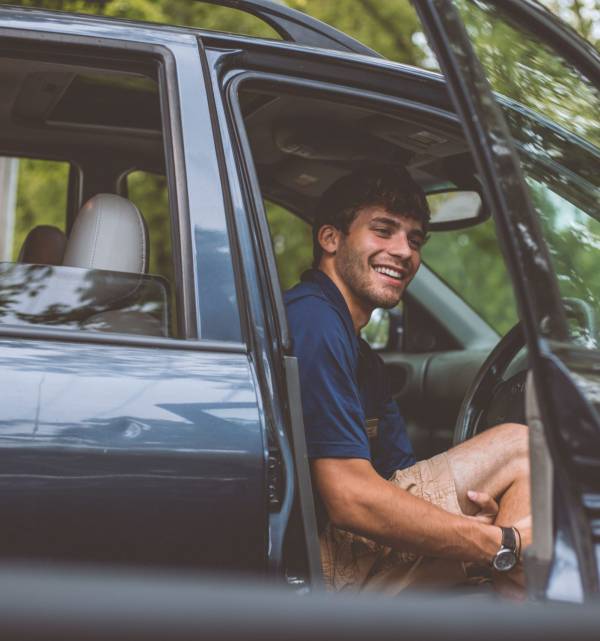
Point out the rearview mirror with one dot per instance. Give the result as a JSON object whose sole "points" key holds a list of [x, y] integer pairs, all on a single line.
{"points": [[454, 209]]}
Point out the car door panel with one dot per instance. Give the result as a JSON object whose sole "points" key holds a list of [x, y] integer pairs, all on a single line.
{"points": [[130, 455], [563, 364]]}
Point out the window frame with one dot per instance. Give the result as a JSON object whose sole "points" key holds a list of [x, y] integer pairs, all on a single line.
{"points": [[128, 56], [320, 89], [481, 333]]}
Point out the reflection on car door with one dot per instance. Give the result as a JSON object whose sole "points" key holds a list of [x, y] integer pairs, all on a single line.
{"points": [[559, 86]]}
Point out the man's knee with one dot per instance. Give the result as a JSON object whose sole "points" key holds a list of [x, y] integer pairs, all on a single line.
{"points": [[515, 437]]}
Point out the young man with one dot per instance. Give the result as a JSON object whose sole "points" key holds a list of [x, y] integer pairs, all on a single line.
{"points": [[387, 522]]}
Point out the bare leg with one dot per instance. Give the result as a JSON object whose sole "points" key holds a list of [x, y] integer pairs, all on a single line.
{"points": [[497, 462]]}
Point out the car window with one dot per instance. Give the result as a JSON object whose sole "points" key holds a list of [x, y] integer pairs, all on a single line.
{"points": [[54, 271], [149, 192], [470, 262], [34, 193], [552, 111], [302, 144], [292, 243], [573, 237]]}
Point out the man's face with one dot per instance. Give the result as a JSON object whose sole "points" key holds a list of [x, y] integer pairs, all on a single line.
{"points": [[379, 256]]}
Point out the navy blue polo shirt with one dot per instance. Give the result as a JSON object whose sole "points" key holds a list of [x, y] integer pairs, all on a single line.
{"points": [[348, 411]]}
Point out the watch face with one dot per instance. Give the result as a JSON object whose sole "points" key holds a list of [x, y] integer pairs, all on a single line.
{"points": [[505, 560]]}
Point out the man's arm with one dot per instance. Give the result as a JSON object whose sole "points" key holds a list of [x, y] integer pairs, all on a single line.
{"points": [[359, 500]]}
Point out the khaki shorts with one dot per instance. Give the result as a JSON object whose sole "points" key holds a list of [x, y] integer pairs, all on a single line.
{"points": [[354, 563]]}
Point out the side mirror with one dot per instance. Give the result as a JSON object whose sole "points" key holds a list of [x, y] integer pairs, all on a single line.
{"points": [[455, 209], [377, 331], [384, 329], [581, 317]]}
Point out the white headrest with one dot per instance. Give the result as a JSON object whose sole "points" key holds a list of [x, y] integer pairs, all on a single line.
{"points": [[109, 233]]}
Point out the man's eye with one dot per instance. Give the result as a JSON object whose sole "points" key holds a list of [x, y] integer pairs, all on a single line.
{"points": [[415, 243], [382, 231]]}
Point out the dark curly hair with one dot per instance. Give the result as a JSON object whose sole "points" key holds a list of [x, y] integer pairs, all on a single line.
{"points": [[390, 187]]}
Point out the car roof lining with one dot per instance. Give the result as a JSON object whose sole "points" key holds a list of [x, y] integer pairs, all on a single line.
{"points": [[301, 144], [30, 100]]}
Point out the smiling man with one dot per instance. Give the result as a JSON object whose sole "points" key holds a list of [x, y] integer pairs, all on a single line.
{"points": [[386, 521]]}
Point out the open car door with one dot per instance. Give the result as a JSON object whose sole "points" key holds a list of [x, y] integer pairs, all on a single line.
{"points": [[527, 90]]}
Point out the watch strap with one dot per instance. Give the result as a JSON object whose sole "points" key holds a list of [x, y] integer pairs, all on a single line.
{"points": [[509, 540]]}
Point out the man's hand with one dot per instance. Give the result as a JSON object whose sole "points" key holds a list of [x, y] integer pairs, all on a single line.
{"points": [[488, 508]]}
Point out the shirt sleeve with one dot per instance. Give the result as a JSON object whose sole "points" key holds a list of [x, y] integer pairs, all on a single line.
{"points": [[333, 415]]}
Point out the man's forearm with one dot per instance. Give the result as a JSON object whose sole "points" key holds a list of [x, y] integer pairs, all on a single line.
{"points": [[406, 522], [380, 510]]}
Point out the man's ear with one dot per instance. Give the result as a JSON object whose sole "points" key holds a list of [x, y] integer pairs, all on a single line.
{"points": [[329, 238]]}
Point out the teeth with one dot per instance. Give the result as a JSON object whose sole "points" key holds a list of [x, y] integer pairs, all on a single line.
{"points": [[389, 272]]}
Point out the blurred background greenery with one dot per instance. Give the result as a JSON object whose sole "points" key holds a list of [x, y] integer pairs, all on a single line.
{"points": [[468, 260]]}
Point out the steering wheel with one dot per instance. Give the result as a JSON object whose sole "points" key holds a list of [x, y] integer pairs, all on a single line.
{"points": [[489, 384]]}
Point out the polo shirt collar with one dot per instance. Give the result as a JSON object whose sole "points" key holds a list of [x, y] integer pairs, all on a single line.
{"points": [[332, 293]]}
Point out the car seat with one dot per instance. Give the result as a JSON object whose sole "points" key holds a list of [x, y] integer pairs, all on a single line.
{"points": [[43, 245], [110, 234]]}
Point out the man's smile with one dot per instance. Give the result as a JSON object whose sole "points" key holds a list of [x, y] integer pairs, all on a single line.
{"points": [[391, 274]]}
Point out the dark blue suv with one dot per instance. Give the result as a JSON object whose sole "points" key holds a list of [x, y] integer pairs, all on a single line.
{"points": [[150, 409]]}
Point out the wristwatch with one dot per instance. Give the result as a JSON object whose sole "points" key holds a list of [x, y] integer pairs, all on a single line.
{"points": [[508, 555]]}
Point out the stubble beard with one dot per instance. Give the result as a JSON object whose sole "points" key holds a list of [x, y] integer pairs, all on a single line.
{"points": [[357, 277]]}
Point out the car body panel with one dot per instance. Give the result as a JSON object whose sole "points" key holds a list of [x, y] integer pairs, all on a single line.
{"points": [[144, 455]]}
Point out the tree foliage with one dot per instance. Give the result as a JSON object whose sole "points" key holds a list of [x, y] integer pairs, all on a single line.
{"points": [[41, 197], [517, 65], [581, 15]]}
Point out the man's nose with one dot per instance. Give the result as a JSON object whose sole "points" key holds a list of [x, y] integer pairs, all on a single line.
{"points": [[400, 247]]}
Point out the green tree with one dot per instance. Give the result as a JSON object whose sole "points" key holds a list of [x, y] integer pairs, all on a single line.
{"points": [[582, 15], [529, 72], [292, 244], [388, 27], [41, 197], [177, 12]]}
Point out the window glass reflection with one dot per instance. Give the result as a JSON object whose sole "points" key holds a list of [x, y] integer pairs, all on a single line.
{"points": [[573, 239], [552, 111], [95, 300], [521, 66]]}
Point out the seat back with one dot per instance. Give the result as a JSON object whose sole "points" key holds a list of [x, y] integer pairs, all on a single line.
{"points": [[109, 233], [101, 284], [43, 245]]}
